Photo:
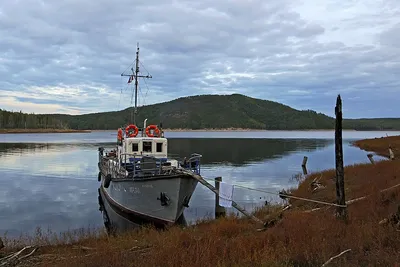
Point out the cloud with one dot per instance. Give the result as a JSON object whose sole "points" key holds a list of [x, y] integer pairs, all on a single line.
{"points": [[67, 56]]}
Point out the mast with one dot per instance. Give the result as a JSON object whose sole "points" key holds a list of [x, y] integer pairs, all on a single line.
{"points": [[136, 76]]}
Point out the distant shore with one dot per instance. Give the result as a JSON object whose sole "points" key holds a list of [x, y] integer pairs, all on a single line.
{"points": [[15, 131], [231, 130]]}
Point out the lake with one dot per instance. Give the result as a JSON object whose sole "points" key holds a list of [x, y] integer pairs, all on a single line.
{"points": [[50, 180]]}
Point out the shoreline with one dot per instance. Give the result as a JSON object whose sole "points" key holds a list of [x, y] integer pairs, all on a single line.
{"points": [[22, 131], [297, 238], [30, 131]]}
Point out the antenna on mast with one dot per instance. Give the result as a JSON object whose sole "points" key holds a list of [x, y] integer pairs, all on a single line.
{"points": [[135, 75]]}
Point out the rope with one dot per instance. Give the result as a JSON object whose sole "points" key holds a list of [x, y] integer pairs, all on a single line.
{"points": [[290, 196]]}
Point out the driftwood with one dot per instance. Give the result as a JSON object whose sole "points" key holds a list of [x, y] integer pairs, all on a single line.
{"points": [[394, 219], [348, 202], [391, 154], [14, 259], [334, 257], [364, 197], [371, 159], [83, 248], [315, 184]]}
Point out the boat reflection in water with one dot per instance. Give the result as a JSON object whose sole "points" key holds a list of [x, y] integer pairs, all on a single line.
{"points": [[116, 222]]}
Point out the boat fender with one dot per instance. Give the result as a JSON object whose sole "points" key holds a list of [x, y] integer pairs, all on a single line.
{"points": [[99, 177], [119, 135], [156, 131], [107, 180], [129, 128]]}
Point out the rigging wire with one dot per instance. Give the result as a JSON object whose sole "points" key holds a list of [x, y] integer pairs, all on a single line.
{"points": [[120, 95], [129, 66], [144, 67], [145, 82], [286, 195]]}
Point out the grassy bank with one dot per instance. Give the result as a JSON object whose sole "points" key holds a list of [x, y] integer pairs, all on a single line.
{"points": [[381, 145], [300, 238], [14, 131]]}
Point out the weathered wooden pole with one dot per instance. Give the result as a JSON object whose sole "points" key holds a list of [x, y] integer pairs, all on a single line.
{"points": [[219, 211], [391, 154], [371, 159], [234, 204], [304, 165], [340, 196]]}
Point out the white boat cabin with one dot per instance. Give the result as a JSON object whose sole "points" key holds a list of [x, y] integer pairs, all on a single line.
{"points": [[145, 146], [147, 153], [133, 146]]}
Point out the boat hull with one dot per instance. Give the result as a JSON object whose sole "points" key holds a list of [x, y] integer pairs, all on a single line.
{"points": [[159, 200]]}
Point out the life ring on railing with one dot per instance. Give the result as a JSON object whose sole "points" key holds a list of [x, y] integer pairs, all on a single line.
{"points": [[156, 131], [131, 127], [120, 133]]}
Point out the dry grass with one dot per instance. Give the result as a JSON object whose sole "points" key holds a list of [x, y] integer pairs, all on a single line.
{"points": [[380, 145], [299, 239]]}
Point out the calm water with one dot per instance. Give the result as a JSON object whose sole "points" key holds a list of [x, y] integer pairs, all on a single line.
{"points": [[50, 180]]}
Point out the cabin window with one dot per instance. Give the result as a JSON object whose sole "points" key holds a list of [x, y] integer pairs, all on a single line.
{"points": [[135, 147], [147, 146], [159, 147]]}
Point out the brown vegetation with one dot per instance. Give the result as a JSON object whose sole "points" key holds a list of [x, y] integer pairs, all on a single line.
{"points": [[380, 145], [14, 131], [299, 239]]}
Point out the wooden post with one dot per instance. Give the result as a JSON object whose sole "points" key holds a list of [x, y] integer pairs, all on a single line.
{"points": [[219, 211], [391, 154], [371, 159], [340, 196], [212, 188], [304, 165]]}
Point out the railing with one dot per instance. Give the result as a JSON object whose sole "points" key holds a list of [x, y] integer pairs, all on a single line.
{"points": [[138, 166], [193, 163], [133, 165]]}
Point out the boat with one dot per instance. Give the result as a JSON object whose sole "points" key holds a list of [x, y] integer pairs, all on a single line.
{"points": [[138, 179]]}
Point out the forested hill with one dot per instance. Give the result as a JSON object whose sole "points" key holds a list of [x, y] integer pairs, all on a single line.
{"points": [[201, 112]]}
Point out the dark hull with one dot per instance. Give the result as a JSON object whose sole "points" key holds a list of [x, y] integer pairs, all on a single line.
{"points": [[140, 202], [116, 221]]}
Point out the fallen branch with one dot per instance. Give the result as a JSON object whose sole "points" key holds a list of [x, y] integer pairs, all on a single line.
{"points": [[359, 198], [315, 184], [394, 219], [312, 210], [364, 197], [334, 257], [27, 255], [139, 249], [12, 256], [83, 248]]}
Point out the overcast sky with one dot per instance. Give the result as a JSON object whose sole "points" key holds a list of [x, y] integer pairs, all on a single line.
{"points": [[67, 56]]}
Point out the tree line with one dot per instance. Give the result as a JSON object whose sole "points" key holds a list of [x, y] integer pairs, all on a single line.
{"points": [[199, 112], [20, 120]]}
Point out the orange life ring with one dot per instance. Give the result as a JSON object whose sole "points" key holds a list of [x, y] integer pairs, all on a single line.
{"points": [[120, 134], [154, 128], [131, 127]]}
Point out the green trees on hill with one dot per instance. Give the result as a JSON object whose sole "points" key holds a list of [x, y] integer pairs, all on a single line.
{"points": [[202, 112], [19, 120]]}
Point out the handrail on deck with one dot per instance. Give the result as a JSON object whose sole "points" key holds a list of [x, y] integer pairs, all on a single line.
{"points": [[193, 164]]}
